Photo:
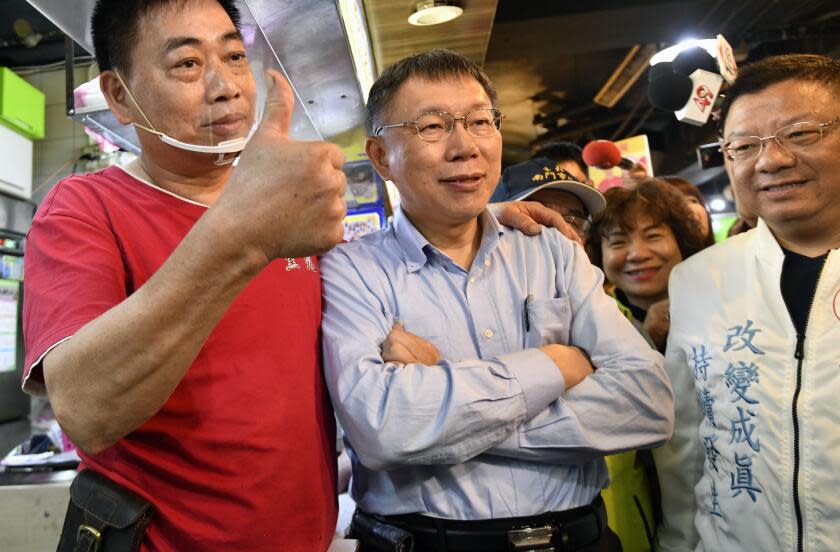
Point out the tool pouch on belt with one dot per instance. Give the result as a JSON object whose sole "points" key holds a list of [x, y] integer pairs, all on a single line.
{"points": [[377, 536], [103, 516]]}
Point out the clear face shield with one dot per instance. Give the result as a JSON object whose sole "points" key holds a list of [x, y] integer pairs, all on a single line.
{"points": [[223, 149], [261, 56]]}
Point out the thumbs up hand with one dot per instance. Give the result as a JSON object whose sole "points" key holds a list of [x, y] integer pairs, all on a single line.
{"points": [[285, 197], [279, 105]]}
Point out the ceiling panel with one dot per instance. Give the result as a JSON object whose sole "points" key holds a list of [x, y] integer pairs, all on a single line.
{"points": [[393, 38]]}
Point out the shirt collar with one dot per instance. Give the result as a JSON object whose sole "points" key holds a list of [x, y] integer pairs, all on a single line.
{"points": [[415, 247], [768, 247], [491, 233], [412, 243]]}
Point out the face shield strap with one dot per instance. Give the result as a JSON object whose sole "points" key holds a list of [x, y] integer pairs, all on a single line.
{"points": [[221, 161], [137, 105], [222, 148]]}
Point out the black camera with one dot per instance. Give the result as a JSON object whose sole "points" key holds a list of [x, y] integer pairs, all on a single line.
{"points": [[710, 155]]}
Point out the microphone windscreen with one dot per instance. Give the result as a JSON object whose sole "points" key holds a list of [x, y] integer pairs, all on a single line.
{"points": [[670, 92], [660, 69], [692, 59], [601, 154]]}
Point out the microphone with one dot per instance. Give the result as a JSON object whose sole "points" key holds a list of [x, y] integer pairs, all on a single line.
{"points": [[691, 97], [659, 70], [691, 59], [690, 84], [669, 91], [705, 87], [604, 154]]}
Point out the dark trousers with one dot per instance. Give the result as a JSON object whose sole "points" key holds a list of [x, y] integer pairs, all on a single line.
{"points": [[609, 542]]}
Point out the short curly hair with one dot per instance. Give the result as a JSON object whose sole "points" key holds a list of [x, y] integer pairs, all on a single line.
{"points": [[651, 197]]}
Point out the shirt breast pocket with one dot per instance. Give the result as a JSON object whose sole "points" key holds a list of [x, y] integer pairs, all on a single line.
{"points": [[430, 328], [548, 321]]}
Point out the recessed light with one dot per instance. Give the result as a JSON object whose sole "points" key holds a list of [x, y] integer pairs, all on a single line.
{"points": [[434, 12]]}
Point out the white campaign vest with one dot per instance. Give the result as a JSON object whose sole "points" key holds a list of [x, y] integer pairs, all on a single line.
{"points": [[731, 359]]}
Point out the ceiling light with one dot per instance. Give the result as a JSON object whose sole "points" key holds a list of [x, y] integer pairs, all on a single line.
{"points": [[434, 12]]}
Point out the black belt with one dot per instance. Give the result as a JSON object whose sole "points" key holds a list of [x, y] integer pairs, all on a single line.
{"points": [[558, 531]]}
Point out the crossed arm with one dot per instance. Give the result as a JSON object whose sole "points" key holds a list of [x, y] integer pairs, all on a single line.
{"points": [[403, 404]]}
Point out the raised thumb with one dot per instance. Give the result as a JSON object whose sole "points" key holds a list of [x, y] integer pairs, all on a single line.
{"points": [[279, 103]]}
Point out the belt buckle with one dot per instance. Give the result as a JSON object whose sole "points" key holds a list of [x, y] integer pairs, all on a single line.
{"points": [[90, 532], [531, 539]]}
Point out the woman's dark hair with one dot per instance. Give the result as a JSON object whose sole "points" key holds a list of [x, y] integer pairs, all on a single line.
{"points": [[689, 189], [115, 28], [434, 65], [653, 198]]}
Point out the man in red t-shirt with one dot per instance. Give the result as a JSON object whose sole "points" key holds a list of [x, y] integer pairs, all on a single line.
{"points": [[172, 308]]}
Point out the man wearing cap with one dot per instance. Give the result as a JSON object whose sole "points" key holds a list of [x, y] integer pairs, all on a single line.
{"points": [[546, 181], [459, 354], [568, 156]]}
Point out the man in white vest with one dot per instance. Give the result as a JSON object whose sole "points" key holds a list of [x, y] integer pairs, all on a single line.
{"points": [[754, 347]]}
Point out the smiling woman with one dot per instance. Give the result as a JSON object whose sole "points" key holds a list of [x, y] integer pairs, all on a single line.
{"points": [[636, 240]]}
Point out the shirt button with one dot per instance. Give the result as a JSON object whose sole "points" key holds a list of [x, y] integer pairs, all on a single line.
{"points": [[486, 263], [488, 333], [472, 280]]}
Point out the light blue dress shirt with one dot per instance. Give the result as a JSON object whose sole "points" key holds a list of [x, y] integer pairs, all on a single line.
{"points": [[490, 431]]}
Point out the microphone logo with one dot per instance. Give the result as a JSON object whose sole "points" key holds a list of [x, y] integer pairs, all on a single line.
{"points": [[703, 97]]}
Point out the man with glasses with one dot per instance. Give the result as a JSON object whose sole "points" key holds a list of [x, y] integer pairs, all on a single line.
{"points": [[480, 375], [755, 327], [545, 181]]}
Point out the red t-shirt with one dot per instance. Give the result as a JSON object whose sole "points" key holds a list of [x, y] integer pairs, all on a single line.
{"points": [[242, 455]]}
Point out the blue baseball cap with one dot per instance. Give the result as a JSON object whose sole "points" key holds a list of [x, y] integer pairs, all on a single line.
{"points": [[522, 180]]}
